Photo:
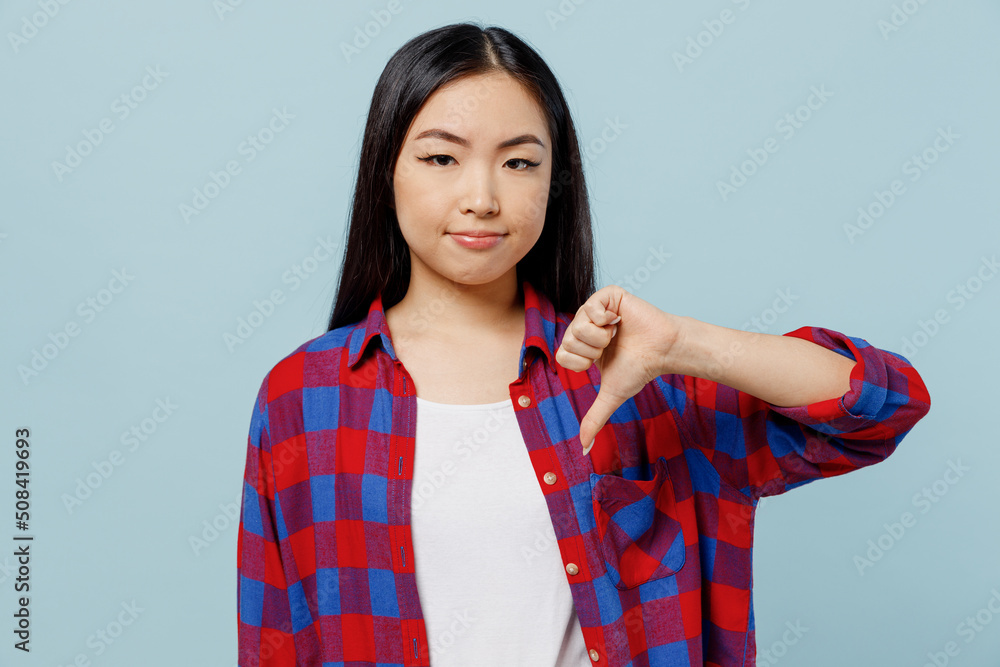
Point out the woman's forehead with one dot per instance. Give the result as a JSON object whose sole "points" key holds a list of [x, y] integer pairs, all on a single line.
{"points": [[481, 107]]}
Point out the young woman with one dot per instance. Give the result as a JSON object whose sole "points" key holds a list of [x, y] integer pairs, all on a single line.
{"points": [[486, 461]]}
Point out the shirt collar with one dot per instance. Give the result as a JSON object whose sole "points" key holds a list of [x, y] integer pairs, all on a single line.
{"points": [[539, 328]]}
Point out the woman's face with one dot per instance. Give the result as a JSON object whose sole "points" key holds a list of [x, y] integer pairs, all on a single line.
{"points": [[477, 159]]}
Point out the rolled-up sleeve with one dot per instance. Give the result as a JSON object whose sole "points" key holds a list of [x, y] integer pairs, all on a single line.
{"points": [[762, 449]]}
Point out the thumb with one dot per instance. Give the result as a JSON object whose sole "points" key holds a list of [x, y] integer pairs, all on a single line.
{"points": [[597, 416]]}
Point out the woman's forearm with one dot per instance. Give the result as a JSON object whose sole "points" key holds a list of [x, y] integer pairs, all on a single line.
{"points": [[782, 370]]}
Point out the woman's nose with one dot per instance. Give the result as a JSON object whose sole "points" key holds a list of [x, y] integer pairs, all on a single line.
{"points": [[480, 192]]}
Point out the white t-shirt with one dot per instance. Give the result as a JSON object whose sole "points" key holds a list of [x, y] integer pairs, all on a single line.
{"points": [[490, 578]]}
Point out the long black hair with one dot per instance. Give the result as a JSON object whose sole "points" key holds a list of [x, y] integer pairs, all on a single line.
{"points": [[376, 257]]}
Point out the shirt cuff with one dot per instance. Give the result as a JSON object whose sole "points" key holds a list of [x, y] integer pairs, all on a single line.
{"points": [[861, 405]]}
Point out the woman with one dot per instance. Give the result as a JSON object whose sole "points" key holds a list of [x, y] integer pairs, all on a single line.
{"points": [[452, 434]]}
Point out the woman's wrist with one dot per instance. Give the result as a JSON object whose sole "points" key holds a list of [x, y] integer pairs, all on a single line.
{"points": [[704, 350], [685, 348]]}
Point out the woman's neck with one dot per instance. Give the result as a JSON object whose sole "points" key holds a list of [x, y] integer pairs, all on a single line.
{"points": [[446, 306]]}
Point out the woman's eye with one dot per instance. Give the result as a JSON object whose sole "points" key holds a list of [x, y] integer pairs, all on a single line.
{"points": [[528, 163], [432, 159]]}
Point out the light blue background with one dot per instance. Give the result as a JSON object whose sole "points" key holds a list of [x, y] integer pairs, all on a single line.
{"points": [[654, 185]]}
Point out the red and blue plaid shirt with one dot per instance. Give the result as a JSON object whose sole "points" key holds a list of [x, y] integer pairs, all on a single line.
{"points": [[658, 519]]}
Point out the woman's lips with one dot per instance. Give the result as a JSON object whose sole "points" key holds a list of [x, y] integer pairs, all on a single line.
{"points": [[486, 241]]}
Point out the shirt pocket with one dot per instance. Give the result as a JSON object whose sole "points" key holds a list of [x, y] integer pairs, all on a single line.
{"points": [[640, 539]]}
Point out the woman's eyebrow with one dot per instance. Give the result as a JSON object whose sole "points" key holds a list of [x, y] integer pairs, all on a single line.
{"points": [[448, 136]]}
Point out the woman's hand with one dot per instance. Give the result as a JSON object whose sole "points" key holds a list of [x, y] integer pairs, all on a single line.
{"points": [[780, 370], [630, 341]]}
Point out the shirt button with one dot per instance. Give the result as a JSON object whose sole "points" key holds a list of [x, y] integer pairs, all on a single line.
{"points": [[550, 478], [525, 401], [572, 568], [594, 655]]}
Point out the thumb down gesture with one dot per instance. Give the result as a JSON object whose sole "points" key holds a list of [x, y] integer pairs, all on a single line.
{"points": [[629, 340]]}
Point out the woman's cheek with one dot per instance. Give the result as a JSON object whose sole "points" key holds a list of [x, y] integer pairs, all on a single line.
{"points": [[534, 211]]}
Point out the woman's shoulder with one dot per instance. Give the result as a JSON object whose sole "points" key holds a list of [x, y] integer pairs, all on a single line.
{"points": [[313, 363]]}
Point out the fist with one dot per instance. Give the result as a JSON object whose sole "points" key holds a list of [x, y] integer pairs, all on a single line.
{"points": [[627, 338]]}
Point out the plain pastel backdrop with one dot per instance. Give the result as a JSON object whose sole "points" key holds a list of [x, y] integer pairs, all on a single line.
{"points": [[808, 111]]}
